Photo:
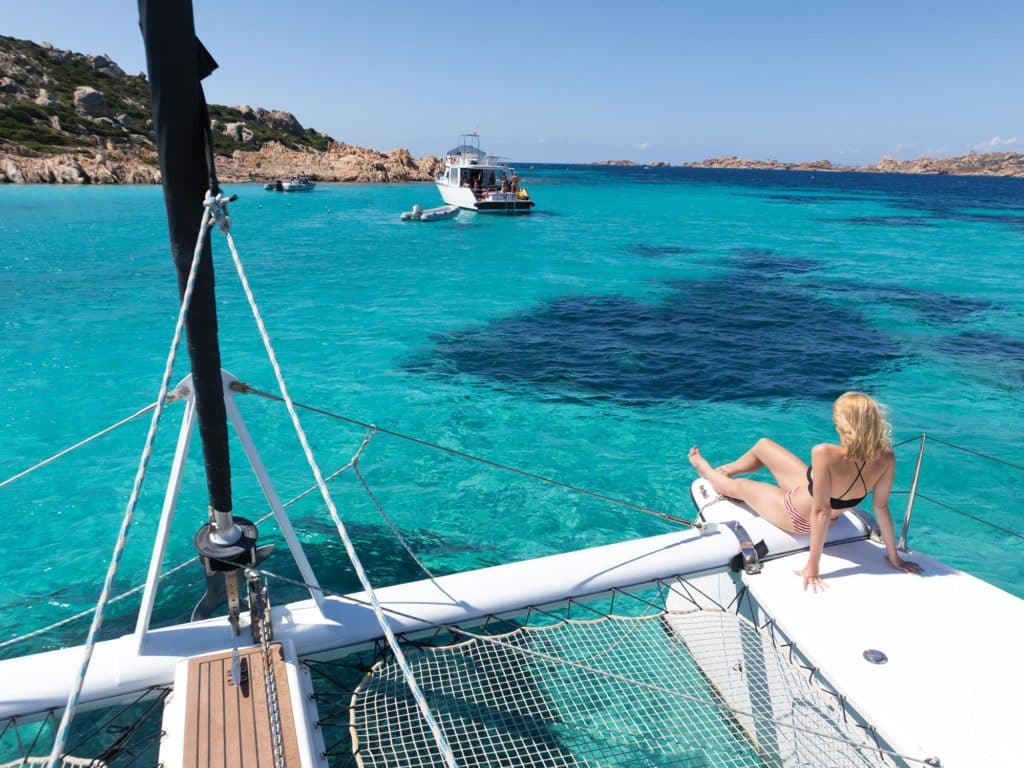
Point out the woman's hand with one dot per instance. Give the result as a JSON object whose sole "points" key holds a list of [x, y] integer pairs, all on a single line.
{"points": [[907, 566], [811, 578]]}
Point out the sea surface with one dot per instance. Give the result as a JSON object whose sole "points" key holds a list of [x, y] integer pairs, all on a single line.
{"points": [[635, 313]]}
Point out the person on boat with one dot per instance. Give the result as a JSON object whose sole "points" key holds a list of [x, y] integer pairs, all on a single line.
{"points": [[807, 499], [504, 182], [514, 182]]}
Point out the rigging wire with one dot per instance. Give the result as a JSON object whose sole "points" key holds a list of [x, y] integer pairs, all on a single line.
{"points": [[442, 742], [140, 474], [80, 444], [979, 454], [248, 389], [968, 515]]}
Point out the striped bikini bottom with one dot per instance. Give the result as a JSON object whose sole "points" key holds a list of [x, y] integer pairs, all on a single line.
{"points": [[800, 523]]}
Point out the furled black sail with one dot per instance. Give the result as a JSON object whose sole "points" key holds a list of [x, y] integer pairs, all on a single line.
{"points": [[176, 62]]}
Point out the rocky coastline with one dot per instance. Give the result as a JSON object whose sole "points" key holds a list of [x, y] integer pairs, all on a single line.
{"points": [[113, 164], [71, 118], [1009, 164]]}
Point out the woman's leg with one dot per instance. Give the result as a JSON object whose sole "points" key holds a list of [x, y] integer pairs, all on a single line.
{"points": [[786, 467], [765, 499]]}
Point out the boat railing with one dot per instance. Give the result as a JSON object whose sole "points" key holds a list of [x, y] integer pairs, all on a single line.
{"points": [[912, 494]]}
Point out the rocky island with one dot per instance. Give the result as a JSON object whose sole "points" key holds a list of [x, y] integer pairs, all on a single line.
{"points": [[971, 164], [71, 118]]}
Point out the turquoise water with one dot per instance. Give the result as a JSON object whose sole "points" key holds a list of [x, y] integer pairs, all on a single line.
{"points": [[634, 314]]}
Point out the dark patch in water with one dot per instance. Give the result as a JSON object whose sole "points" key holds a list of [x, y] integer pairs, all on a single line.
{"points": [[934, 214], [999, 358], [951, 209], [741, 336], [987, 344], [782, 198], [648, 251], [886, 221], [939, 309], [771, 263], [1017, 222]]}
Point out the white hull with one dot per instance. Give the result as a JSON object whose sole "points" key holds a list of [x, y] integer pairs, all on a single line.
{"points": [[32, 685], [492, 202], [947, 690], [463, 197]]}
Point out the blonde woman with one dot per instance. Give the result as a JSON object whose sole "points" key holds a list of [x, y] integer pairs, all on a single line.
{"points": [[808, 499]]}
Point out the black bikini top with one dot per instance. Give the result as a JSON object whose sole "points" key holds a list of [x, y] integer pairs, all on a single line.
{"points": [[842, 503]]}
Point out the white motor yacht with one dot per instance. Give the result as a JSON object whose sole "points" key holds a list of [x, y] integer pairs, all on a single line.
{"points": [[476, 181]]}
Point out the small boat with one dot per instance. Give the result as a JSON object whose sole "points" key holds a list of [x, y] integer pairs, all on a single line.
{"points": [[431, 214], [477, 181], [301, 184]]}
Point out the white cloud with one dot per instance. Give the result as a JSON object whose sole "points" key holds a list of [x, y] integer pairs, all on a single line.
{"points": [[643, 145], [995, 143]]}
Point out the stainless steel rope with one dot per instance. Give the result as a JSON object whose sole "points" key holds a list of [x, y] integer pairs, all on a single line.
{"points": [[79, 444], [421, 702], [122, 539], [247, 389]]}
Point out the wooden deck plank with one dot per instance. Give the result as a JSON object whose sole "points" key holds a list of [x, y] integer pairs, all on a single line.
{"points": [[260, 749], [217, 723], [228, 726], [232, 707]]}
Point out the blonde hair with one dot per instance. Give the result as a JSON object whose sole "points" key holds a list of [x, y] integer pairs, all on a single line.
{"points": [[862, 426]]}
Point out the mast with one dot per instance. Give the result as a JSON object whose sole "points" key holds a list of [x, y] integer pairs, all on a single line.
{"points": [[176, 62]]}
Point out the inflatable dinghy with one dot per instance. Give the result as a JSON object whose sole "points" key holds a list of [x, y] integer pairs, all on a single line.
{"points": [[431, 214]]}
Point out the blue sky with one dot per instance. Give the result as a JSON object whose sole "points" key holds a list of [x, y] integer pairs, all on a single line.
{"points": [[569, 81]]}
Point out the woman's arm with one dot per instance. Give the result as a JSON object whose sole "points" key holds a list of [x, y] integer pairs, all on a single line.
{"points": [[821, 511], [880, 504]]}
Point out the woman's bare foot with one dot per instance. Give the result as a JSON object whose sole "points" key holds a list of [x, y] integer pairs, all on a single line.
{"points": [[699, 462]]}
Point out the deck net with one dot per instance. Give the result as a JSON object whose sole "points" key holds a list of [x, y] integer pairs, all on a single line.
{"points": [[697, 688]]}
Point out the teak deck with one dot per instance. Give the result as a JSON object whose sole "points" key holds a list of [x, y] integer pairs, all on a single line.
{"points": [[228, 726]]}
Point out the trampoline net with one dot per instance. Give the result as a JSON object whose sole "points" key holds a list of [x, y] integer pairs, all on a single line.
{"points": [[696, 688]]}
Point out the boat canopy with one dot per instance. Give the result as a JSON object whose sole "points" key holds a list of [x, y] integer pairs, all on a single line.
{"points": [[466, 149]]}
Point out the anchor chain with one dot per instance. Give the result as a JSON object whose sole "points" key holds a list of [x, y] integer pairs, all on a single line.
{"points": [[262, 632]]}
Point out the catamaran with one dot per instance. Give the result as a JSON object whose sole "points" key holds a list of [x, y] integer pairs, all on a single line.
{"points": [[690, 648], [477, 181]]}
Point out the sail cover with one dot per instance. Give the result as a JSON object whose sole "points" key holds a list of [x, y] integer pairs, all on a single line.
{"points": [[177, 62]]}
